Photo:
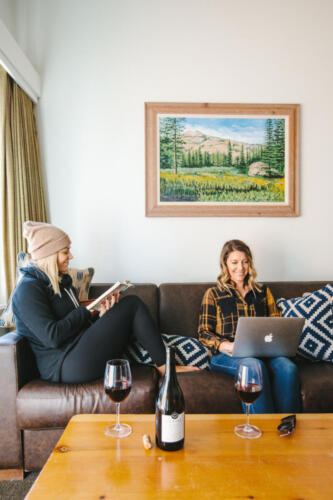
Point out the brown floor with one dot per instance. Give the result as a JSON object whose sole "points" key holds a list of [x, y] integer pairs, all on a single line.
{"points": [[17, 490]]}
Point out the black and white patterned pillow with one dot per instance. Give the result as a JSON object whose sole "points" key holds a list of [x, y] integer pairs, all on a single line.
{"points": [[188, 351], [317, 308]]}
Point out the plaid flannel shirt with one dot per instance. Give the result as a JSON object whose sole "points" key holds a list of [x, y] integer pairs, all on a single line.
{"points": [[220, 310]]}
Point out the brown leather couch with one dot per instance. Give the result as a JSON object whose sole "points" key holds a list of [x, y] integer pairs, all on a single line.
{"points": [[34, 413]]}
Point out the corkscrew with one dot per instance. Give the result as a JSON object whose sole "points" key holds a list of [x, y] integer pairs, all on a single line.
{"points": [[287, 425]]}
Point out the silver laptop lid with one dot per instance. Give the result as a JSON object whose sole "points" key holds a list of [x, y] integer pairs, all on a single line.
{"points": [[267, 337]]}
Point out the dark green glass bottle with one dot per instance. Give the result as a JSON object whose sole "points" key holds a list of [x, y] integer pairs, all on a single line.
{"points": [[170, 409]]}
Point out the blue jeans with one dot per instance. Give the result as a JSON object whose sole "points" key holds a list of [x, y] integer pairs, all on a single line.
{"points": [[281, 387]]}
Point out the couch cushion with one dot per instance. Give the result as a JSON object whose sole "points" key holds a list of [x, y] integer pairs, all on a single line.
{"points": [[180, 307], [180, 302], [317, 309], [290, 289], [316, 386], [209, 392], [42, 404], [148, 293]]}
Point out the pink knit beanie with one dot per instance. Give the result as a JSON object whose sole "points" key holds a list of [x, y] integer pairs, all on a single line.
{"points": [[44, 239]]}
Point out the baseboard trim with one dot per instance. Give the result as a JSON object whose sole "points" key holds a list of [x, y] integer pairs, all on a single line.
{"points": [[10, 474]]}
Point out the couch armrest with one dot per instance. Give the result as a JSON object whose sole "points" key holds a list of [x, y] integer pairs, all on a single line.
{"points": [[17, 367], [10, 435]]}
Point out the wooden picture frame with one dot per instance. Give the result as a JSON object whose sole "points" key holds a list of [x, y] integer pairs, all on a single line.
{"points": [[222, 160]]}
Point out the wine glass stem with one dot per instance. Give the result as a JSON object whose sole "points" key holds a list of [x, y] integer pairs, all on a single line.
{"points": [[118, 414], [247, 415]]}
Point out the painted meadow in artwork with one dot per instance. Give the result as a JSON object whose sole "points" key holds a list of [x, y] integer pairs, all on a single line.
{"points": [[221, 159]]}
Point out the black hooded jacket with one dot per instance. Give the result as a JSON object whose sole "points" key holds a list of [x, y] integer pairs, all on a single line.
{"points": [[53, 324]]}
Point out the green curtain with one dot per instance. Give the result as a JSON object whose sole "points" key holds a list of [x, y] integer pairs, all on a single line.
{"points": [[22, 191]]}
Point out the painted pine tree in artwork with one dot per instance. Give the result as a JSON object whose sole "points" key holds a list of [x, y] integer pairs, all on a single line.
{"points": [[279, 146], [268, 150], [165, 143], [171, 142], [274, 149], [242, 162], [229, 155]]}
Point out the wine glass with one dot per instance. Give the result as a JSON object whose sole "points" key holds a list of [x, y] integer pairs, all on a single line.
{"points": [[249, 385], [117, 385]]}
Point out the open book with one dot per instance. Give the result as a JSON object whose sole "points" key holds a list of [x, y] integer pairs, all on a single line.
{"points": [[118, 287]]}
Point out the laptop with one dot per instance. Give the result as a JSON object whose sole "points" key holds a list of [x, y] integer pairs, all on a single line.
{"points": [[267, 337]]}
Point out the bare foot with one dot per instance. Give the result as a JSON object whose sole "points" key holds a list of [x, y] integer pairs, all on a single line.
{"points": [[179, 369], [160, 369]]}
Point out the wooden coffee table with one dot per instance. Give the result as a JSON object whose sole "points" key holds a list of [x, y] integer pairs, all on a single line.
{"points": [[214, 464]]}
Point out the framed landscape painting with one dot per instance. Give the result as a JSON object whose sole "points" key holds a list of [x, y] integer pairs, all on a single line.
{"points": [[222, 160]]}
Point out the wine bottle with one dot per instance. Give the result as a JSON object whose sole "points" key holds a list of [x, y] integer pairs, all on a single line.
{"points": [[170, 406]]}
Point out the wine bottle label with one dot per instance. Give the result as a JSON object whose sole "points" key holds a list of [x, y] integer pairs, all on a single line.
{"points": [[173, 427]]}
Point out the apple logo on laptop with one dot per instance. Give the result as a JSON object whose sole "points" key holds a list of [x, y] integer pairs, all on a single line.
{"points": [[268, 338]]}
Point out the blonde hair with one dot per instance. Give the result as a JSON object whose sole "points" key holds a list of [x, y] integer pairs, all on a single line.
{"points": [[50, 267], [223, 279]]}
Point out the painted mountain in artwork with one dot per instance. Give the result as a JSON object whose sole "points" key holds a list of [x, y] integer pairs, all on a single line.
{"points": [[195, 140]]}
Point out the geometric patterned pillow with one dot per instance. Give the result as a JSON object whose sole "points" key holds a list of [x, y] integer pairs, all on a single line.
{"points": [[317, 308], [188, 351], [7, 318], [81, 281], [81, 277]]}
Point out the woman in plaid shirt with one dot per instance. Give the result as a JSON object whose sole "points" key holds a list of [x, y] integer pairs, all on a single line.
{"points": [[238, 294]]}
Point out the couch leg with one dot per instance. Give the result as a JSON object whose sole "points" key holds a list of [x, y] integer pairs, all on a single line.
{"points": [[10, 474]]}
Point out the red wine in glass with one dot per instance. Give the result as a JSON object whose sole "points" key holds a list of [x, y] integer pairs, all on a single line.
{"points": [[249, 393], [249, 386], [117, 386], [119, 391]]}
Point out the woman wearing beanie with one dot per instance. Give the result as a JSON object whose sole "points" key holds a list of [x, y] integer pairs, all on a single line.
{"points": [[68, 344]]}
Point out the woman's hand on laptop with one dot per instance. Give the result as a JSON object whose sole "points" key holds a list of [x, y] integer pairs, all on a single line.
{"points": [[226, 347]]}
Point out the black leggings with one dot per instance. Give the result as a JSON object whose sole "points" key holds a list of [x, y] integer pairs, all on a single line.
{"points": [[108, 337]]}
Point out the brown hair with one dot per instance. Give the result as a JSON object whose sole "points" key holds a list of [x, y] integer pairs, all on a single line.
{"points": [[223, 279]]}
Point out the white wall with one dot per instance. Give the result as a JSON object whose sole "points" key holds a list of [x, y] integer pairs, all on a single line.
{"points": [[8, 14], [100, 60]]}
